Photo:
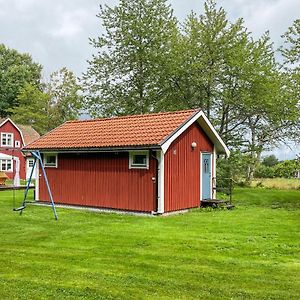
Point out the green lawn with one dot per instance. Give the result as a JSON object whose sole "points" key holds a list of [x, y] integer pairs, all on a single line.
{"points": [[251, 252]]}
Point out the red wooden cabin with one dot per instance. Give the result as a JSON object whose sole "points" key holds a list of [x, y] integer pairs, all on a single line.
{"points": [[12, 138], [153, 163]]}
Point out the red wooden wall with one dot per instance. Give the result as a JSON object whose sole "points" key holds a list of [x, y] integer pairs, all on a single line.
{"points": [[8, 127], [182, 169], [101, 180]]}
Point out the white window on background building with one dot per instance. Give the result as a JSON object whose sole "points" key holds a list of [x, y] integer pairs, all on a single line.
{"points": [[139, 160], [30, 162], [50, 160], [6, 165], [17, 144], [7, 139]]}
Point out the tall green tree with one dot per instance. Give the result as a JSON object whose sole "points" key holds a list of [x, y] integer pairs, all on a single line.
{"points": [[212, 58], [65, 97], [129, 72], [291, 48], [16, 70], [45, 109], [33, 108], [291, 70]]}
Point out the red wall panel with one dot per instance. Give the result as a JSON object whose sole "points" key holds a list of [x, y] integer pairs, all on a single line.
{"points": [[101, 180], [182, 169], [8, 127]]}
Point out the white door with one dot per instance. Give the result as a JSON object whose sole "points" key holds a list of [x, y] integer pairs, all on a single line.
{"points": [[29, 165]]}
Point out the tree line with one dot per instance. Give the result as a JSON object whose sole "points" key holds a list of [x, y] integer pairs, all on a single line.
{"points": [[147, 61], [30, 100]]}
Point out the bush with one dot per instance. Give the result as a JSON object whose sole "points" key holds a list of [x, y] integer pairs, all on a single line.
{"points": [[284, 169], [264, 172]]}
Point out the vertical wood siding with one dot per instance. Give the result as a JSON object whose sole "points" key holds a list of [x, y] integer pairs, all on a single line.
{"points": [[182, 169], [8, 127], [101, 180]]}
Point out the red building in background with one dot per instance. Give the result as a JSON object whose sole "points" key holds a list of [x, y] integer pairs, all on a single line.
{"points": [[153, 163], [13, 138]]}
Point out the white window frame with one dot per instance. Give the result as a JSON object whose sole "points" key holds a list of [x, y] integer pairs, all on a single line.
{"points": [[12, 139], [135, 166], [6, 161], [50, 154], [17, 144], [30, 160]]}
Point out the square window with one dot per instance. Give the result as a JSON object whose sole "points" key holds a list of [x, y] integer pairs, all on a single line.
{"points": [[50, 160], [6, 165], [30, 163], [17, 144], [7, 139], [139, 160]]}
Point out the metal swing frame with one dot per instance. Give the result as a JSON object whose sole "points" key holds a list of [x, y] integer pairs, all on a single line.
{"points": [[37, 159]]}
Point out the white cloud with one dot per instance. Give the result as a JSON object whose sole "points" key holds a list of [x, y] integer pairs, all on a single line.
{"points": [[260, 16], [70, 23]]}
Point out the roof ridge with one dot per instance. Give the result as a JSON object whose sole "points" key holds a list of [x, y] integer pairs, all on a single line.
{"points": [[135, 116]]}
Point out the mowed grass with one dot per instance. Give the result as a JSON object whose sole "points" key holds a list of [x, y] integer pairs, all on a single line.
{"points": [[251, 252], [277, 183]]}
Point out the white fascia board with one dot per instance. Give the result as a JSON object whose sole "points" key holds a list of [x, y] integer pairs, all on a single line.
{"points": [[8, 119], [212, 133], [208, 129]]}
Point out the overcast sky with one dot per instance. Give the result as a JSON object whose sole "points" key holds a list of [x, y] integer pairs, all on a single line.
{"points": [[56, 32]]}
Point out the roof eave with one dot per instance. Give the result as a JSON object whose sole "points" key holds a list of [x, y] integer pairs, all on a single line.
{"points": [[208, 128], [93, 150]]}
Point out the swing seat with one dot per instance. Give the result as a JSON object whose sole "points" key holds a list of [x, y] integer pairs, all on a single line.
{"points": [[19, 208]]}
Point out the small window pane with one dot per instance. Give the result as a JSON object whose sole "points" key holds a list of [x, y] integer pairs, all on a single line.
{"points": [[50, 160], [139, 159], [30, 163], [7, 139], [6, 165]]}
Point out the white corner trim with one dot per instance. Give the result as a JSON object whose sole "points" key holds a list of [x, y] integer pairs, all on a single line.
{"points": [[161, 182], [200, 177], [165, 146], [37, 180], [8, 119], [214, 174]]}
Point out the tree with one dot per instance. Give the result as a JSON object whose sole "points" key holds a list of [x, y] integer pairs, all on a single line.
{"points": [[291, 51], [59, 101], [33, 108], [128, 75], [270, 161], [291, 70], [16, 70], [65, 99], [212, 64]]}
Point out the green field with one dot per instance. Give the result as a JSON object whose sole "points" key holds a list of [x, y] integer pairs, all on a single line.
{"points": [[251, 252], [277, 183]]}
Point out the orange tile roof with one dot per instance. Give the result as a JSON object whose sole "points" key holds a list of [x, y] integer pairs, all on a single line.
{"points": [[128, 131]]}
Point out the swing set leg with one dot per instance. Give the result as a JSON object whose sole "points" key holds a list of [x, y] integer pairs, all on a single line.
{"points": [[37, 158]]}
